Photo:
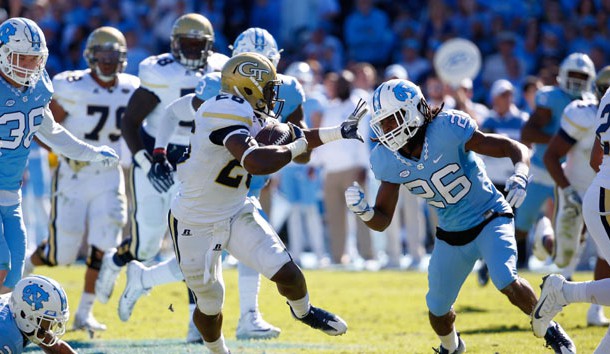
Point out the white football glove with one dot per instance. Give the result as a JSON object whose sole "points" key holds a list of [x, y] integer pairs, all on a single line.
{"points": [[106, 155], [356, 202], [516, 186], [572, 202]]}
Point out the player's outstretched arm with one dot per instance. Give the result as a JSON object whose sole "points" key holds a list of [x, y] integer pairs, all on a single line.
{"points": [[62, 141], [60, 347], [346, 130]]}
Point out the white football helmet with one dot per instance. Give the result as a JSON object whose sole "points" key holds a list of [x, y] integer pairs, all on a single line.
{"points": [[576, 63], [40, 308], [302, 71], [257, 40], [396, 112], [23, 50]]}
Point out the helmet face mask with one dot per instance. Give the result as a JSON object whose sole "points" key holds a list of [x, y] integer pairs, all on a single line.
{"points": [[252, 77], [23, 51], [257, 40], [106, 53], [576, 74], [192, 40], [40, 308], [396, 113]]}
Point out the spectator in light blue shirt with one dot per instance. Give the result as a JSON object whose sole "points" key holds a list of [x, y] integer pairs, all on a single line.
{"points": [[367, 34]]}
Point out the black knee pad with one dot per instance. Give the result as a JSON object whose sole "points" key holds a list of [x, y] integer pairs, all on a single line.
{"points": [[123, 255], [94, 261]]}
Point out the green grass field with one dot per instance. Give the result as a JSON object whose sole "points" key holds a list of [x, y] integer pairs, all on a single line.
{"points": [[385, 311]]}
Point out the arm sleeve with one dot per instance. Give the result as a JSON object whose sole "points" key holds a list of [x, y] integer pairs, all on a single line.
{"points": [[62, 141], [179, 109]]}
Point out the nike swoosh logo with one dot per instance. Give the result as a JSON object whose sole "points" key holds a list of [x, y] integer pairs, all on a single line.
{"points": [[438, 158], [537, 313]]}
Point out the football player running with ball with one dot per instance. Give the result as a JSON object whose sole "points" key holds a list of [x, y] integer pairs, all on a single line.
{"points": [[434, 154], [212, 211]]}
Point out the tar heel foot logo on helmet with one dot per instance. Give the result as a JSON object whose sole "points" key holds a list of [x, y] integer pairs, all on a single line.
{"points": [[396, 115], [23, 51]]}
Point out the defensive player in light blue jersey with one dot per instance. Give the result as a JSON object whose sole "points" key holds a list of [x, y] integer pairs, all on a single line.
{"points": [[432, 153], [576, 75], [35, 312], [25, 92], [251, 324]]}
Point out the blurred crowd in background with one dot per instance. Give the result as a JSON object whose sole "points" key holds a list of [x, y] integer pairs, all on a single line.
{"points": [[353, 45]]}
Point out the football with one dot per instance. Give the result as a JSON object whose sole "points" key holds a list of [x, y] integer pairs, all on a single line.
{"points": [[274, 134]]}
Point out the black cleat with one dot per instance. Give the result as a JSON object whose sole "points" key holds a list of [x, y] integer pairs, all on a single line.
{"points": [[325, 321], [559, 340]]}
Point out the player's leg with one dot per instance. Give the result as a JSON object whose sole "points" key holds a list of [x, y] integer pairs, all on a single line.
{"points": [[198, 254], [449, 266], [148, 227], [258, 246], [568, 227], [14, 239], [251, 325], [529, 211]]}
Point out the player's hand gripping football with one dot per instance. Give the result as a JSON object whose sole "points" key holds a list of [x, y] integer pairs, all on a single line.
{"points": [[349, 127], [161, 171]]}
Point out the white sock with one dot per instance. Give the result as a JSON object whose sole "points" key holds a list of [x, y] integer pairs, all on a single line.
{"points": [[249, 283], [603, 346], [86, 304], [218, 346], [450, 341], [575, 291], [162, 273], [300, 307]]}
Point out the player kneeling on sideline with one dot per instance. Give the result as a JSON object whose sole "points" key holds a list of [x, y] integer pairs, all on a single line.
{"points": [[35, 312], [434, 154]]}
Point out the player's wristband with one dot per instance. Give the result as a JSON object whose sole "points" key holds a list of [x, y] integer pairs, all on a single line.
{"points": [[330, 134], [297, 147], [522, 169], [366, 215], [159, 150]]}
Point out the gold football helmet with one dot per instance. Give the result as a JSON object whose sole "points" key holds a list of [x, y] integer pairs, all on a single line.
{"points": [[252, 77], [192, 40], [106, 52], [602, 81]]}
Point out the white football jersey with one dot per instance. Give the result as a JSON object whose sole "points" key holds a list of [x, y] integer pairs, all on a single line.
{"points": [[169, 80], [213, 184], [94, 112], [603, 132], [579, 122]]}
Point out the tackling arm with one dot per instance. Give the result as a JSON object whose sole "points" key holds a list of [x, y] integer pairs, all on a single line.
{"points": [[496, 145], [60, 347]]}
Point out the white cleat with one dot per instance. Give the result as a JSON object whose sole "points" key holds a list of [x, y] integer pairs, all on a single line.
{"points": [[106, 278], [252, 326], [543, 228], [550, 303], [88, 323], [134, 289], [596, 317]]}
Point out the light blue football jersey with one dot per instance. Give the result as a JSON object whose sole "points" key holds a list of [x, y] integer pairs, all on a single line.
{"points": [[450, 178], [554, 99], [11, 339], [290, 91], [21, 115]]}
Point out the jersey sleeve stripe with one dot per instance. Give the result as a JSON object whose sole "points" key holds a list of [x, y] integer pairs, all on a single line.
{"points": [[577, 126], [148, 84], [242, 119]]}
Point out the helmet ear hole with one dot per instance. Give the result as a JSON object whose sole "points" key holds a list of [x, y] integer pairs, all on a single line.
{"points": [[248, 91]]}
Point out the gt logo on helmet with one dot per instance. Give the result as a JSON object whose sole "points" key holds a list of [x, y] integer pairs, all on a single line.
{"points": [[249, 69]]}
